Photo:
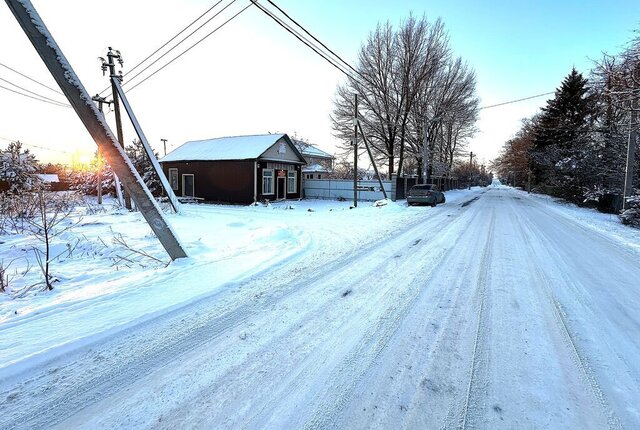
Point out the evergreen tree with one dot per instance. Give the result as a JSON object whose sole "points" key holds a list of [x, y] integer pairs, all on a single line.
{"points": [[17, 168], [141, 162], [562, 154]]}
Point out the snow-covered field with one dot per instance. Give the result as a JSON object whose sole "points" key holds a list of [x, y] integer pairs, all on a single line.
{"points": [[498, 309]]}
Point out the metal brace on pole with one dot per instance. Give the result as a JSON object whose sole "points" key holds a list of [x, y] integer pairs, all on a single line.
{"points": [[94, 121], [145, 143]]}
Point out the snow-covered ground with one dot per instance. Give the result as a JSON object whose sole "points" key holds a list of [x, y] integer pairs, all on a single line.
{"points": [[498, 309], [225, 243]]}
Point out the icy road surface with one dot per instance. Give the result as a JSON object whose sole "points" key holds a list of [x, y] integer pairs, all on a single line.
{"points": [[494, 312]]}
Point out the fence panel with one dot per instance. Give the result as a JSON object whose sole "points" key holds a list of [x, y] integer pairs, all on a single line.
{"points": [[343, 188]]}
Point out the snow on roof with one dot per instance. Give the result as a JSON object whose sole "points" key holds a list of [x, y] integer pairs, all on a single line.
{"points": [[315, 168], [47, 177], [310, 150], [223, 148]]}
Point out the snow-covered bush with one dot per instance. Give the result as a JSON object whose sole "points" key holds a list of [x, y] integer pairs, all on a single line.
{"points": [[143, 165], [17, 168], [631, 215], [86, 182]]}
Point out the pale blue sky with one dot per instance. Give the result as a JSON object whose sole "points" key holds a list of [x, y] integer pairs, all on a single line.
{"points": [[253, 77]]}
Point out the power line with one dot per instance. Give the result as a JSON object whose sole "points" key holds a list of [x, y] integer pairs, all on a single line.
{"points": [[302, 39], [35, 98], [191, 47], [179, 43], [35, 146], [174, 37], [31, 79], [312, 36], [171, 40], [33, 93], [516, 101]]}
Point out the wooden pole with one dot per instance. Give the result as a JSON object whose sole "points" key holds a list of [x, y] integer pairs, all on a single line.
{"points": [[94, 121]]}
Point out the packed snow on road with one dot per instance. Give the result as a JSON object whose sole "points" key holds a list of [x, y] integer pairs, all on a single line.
{"points": [[497, 309]]}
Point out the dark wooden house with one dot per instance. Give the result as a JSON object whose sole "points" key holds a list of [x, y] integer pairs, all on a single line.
{"points": [[240, 169]]}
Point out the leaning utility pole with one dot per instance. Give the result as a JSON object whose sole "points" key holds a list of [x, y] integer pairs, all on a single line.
{"points": [[373, 162], [111, 65], [95, 122], [173, 200], [355, 151]]}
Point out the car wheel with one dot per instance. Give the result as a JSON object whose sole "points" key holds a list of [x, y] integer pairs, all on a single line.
{"points": [[443, 199]]}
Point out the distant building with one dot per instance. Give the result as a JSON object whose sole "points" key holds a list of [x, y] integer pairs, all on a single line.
{"points": [[319, 163], [240, 169]]}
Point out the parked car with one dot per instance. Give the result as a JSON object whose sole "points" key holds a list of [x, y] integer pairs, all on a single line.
{"points": [[428, 194]]}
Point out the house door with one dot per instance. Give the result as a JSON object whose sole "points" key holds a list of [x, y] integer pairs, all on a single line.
{"points": [[282, 191], [187, 186]]}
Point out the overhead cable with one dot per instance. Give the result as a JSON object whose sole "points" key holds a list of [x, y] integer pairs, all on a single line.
{"points": [[191, 47], [31, 79]]}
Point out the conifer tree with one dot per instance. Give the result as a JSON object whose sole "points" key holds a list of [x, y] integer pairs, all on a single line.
{"points": [[141, 162], [562, 154]]}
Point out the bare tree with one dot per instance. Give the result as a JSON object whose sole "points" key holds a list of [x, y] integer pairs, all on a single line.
{"points": [[51, 219], [406, 79]]}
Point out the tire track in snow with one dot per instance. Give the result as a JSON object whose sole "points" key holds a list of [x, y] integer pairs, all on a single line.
{"points": [[344, 378], [479, 344], [577, 357], [138, 351]]}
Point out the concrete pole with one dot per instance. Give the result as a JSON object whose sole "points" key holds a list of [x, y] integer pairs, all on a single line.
{"points": [[355, 151], [116, 109], [94, 121], [631, 152]]}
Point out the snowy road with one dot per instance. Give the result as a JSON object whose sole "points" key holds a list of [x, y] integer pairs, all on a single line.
{"points": [[497, 312]]}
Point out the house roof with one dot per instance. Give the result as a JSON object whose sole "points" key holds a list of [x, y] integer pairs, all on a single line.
{"points": [[310, 150], [47, 177], [315, 168], [227, 148]]}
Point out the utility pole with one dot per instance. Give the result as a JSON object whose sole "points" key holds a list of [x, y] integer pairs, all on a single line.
{"points": [[425, 155], [164, 143], [94, 121], [355, 151], [147, 147], [631, 149], [470, 168], [110, 64], [101, 101]]}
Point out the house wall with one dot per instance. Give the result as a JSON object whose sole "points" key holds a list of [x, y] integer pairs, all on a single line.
{"points": [[275, 152], [218, 181], [273, 165]]}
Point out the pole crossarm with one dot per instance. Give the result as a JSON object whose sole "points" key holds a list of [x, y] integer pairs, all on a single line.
{"points": [[145, 143], [95, 122]]}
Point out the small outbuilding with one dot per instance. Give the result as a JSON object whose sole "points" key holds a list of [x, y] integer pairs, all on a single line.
{"points": [[240, 169]]}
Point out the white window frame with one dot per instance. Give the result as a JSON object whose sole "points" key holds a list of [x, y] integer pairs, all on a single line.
{"points": [[272, 177], [172, 171], [193, 181], [295, 181]]}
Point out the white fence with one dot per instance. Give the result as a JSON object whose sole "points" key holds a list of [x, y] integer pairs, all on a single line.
{"points": [[343, 188]]}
